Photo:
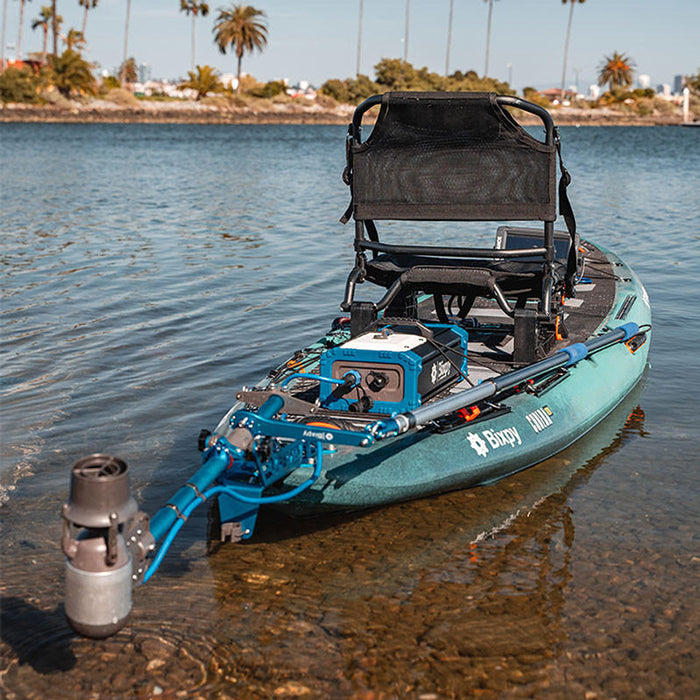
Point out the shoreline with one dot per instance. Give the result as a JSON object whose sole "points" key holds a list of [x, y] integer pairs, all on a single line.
{"points": [[101, 112]]}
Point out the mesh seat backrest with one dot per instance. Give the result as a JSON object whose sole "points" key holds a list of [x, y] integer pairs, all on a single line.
{"points": [[451, 156]]}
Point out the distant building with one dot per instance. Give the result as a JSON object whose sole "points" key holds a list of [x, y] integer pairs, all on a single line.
{"points": [[302, 89], [594, 91], [678, 84], [229, 80], [34, 64], [556, 96], [644, 81], [144, 72]]}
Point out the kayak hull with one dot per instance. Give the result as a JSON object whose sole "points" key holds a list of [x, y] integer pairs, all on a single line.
{"points": [[527, 429]]}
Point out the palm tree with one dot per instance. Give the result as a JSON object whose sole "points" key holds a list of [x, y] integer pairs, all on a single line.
{"points": [[194, 8], [72, 75], [405, 38], [243, 28], [55, 21], [126, 30], [74, 40], [204, 81], [87, 4], [566, 43], [616, 70], [128, 72], [44, 20], [449, 38], [488, 37], [359, 40], [19, 32]]}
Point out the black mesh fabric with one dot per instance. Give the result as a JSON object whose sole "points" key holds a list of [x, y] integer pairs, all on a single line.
{"points": [[451, 156]]}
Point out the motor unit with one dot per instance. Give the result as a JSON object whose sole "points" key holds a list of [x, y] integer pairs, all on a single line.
{"points": [[396, 368]]}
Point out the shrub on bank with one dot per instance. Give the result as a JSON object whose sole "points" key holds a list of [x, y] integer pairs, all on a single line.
{"points": [[20, 85], [121, 97], [108, 83], [350, 90], [268, 90], [202, 82], [395, 74]]}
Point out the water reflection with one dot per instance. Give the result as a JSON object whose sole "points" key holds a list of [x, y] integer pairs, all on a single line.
{"points": [[419, 597]]}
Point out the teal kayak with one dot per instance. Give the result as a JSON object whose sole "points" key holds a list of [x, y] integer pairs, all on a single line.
{"points": [[513, 432], [473, 363]]}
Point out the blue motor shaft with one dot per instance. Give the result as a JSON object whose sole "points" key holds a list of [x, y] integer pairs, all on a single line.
{"points": [[216, 463], [165, 518]]}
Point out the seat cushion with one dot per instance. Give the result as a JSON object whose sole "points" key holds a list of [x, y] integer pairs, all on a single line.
{"points": [[512, 276]]}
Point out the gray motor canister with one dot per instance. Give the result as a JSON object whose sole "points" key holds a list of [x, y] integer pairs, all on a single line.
{"points": [[98, 564]]}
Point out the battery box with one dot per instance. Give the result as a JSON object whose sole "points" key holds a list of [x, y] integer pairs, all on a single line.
{"points": [[398, 368]]}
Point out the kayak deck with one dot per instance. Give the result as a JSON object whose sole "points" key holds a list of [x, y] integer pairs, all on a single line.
{"points": [[514, 430], [490, 332]]}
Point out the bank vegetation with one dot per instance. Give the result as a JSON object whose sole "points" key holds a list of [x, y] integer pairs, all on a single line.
{"points": [[64, 89]]}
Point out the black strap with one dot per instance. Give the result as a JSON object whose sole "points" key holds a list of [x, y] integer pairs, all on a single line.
{"points": [[347, 175], [348, 213], [567, 212], [371, 230]]}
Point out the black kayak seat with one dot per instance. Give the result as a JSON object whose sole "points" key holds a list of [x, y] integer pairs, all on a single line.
{"points": [[455, 157]]}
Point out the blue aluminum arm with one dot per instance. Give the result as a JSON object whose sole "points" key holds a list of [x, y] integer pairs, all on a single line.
{"points": [[215, 465], [218, 460]]}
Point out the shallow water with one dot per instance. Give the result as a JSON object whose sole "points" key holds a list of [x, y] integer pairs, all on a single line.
{"points": [[150, 270]]}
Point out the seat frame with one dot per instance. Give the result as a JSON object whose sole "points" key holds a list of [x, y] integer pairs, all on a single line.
{"points": [[466, 270]]}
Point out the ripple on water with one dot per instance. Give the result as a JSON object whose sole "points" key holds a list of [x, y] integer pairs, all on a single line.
{"points": [[167, 647], [135, 303]]}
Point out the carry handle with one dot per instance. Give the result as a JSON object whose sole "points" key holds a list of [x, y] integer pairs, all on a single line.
{"points": [[503, 100]]}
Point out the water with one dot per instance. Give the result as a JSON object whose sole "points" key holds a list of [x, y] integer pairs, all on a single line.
{"points": [[150, 270]]}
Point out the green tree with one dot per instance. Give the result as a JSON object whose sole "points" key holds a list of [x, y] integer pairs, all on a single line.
{"points": [[88, 5], [128, 73], [566, 43], [244, 29], [693, 82], [56, 20], [204, 81], [110, 82], [616, 70], [44, 21], [19, 31], [19, 85], [351, 90], [74, 40], [194, 8], [267, 90], [394, 74], [71, 75]]}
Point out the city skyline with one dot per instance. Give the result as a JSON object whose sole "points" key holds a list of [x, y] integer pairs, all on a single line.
{"points": [[315, 40]]}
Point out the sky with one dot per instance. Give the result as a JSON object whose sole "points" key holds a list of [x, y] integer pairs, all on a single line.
{"points": [[315, 40]]}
